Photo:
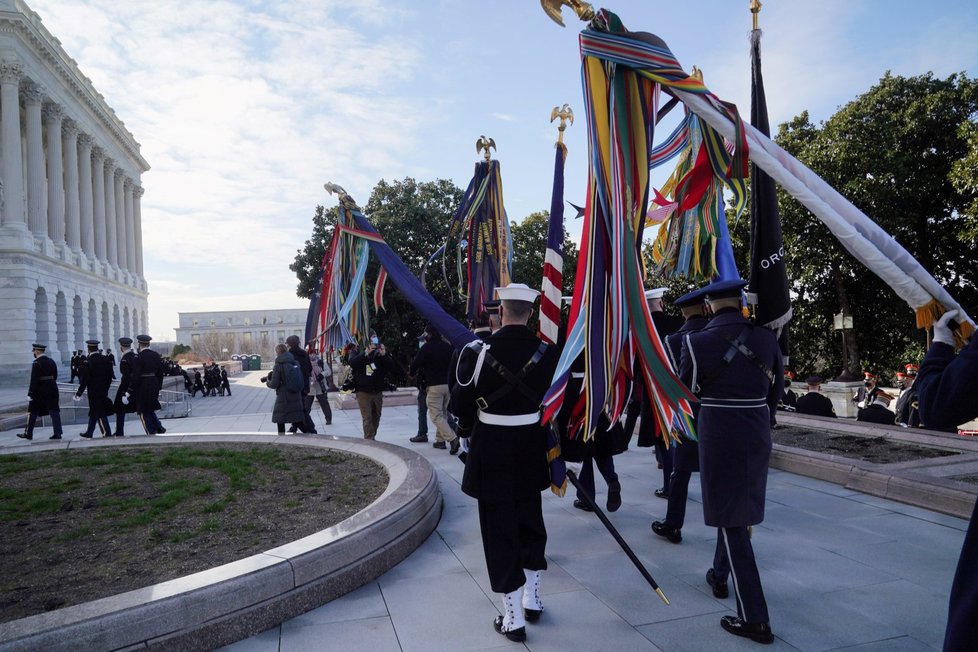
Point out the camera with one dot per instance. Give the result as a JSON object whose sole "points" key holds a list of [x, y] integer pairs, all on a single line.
{"points": [[263, 379]]}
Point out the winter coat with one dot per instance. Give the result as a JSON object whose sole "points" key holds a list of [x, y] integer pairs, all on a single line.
{"points": [[288, 405]]}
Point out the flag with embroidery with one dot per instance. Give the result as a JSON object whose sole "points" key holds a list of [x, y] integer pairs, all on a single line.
{"points": [[768, 276]]}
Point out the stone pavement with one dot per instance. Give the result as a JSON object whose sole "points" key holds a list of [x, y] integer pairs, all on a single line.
{"points": [[841, 569]]}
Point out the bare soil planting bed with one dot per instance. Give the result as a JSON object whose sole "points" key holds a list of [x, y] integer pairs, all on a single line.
{"points": [[868, 449]]}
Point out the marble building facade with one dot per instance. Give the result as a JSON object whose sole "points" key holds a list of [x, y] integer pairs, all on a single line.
{"points": [[220, 334], [71, 254]]}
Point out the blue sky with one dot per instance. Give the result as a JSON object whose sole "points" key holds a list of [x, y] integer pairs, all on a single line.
{"points": [[245, 108]]}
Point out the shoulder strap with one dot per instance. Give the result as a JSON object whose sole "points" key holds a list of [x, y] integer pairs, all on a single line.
{"points": [[513, 381], [737, 345]]}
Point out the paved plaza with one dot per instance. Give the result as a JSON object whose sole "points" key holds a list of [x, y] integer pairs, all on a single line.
{"points": [[841, 569]]}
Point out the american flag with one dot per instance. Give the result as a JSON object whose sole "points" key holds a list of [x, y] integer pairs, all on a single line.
{"points": [[553, 262]]}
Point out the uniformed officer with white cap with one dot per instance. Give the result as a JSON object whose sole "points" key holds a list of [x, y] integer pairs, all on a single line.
{"points": [[501, 383]]}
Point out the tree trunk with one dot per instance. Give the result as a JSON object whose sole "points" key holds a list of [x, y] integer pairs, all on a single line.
{"points": [[851, 365]]}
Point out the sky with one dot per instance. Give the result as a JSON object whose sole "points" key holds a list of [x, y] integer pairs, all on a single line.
{"points": [[245, 108]]}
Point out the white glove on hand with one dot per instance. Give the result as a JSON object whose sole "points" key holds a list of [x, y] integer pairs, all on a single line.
{"points": [[76, 398], [125, 398], [943, 332]]}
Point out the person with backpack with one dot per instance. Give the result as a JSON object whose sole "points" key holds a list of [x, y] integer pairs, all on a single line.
{"points": [[286, 379]]}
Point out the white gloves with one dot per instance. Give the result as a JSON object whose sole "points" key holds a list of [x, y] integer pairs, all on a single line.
{"points": [[76, 398], [125, 398], [943, 332]]}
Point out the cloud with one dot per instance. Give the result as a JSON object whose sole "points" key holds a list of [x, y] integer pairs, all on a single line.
{"points": [[505, 117]]}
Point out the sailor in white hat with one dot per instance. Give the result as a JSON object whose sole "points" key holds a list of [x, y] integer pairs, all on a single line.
{"points": [[500, 384]]}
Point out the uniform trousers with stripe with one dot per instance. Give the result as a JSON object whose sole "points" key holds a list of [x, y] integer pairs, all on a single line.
{"points": [[734, 549], [151, 423], [513, 538]]}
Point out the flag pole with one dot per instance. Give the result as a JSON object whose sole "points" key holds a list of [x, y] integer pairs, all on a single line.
{"points": [[755, 8], [586, 497]]}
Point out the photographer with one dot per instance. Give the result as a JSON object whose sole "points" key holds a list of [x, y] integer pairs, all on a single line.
{"points": [[288, 400], [370, 371]]}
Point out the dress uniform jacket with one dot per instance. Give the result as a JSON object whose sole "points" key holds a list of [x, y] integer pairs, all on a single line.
{"points": [[125, 384], [504, 460], [815, 404], [734, 421], [43, 389], [946, 387], [96, 378], [147, 380], [687, 453], [907, 411]]}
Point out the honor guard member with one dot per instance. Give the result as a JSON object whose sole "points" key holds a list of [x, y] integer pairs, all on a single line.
{"points": [[123, 405], [43, 393], [687, 455], [76, 358], [908, 405], [814, 402], [789, 400], [500, 384], [147, 379], [730, 364], [96, 378], [648, 434]]}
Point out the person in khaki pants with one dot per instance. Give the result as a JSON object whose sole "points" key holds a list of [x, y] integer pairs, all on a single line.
{"points": [[434, 359], [370, 371]]}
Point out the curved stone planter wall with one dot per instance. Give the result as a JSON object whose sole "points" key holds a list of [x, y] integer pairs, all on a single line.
{"points": [[225, 604]]}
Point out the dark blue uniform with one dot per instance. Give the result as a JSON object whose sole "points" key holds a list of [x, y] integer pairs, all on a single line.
{"points": [[507, 465], [686, 457], [96, 378], [43, 392], [147, 379], [125, 384], [738, 400], [946, 387]]}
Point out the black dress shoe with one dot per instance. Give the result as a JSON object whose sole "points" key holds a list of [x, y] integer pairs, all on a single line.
{"points": [[581, 505], [293, 430], [662, 493], [161, 430], [419, 439], [55, 437], [518, 635], [614, 496], [720, 589], [453, 446], [758, 632], [86, 435], [532, 615], [673, 534], [24, 435]]}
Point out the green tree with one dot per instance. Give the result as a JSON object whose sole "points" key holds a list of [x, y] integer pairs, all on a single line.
{"points": [[310, 257], [891, 152], [179, 349]]}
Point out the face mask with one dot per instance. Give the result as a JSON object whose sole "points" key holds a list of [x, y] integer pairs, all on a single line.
{"points": [[374, 340]]}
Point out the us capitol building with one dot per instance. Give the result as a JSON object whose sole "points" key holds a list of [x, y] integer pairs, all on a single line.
{"points": [[71, 250]]}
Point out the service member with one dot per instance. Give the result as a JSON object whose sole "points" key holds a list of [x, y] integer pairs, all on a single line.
{"points": [[497, 401], [907, 405], [687, 455], [814, 402], [735, 369], [123, 405], [946, 386], [43, 393], [96, 378], [147, 380]]}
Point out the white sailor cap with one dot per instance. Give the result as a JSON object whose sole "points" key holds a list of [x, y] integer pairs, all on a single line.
{"points": [[655, 293], [517, 292]]}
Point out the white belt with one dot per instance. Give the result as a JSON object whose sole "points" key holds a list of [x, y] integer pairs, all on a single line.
{"points": [[509, 419]]}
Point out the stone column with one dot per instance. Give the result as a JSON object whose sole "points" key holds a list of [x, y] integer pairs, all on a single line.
{"points": [[69, 145], [137, 215], [37, 219], [120, 219], [98, 187], [12, 169], [85, 197], [111, 245], [130, 228], [53, 115]]}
